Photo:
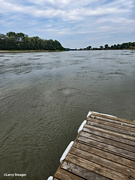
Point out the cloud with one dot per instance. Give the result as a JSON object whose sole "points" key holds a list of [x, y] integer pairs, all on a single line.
{"points": [[60, 18], [67, 10]]}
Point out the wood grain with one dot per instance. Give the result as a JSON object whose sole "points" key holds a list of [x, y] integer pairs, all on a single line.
{"points": [[114, 121], [108, 141], [108, 123], [124, 136], [103, 162], [81, 172], [65, 175], [96, 168], [106, 155], [106, 147], [113, 118], [110, 135], [107, 127]]}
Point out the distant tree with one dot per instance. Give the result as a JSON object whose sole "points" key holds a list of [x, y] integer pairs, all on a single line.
{"points": [[114, 46], [9, 34], [89, 47], [101, 47], [20, 37], [128, 45], [133, 43], [106, 46], [118, 46]]}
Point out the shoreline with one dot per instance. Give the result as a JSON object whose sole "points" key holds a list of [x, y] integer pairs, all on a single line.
{"points": [[27, 51], [31, 51]]}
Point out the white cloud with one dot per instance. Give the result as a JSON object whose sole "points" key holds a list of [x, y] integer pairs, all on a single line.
{"points": [[75, 10], [68, 17]]}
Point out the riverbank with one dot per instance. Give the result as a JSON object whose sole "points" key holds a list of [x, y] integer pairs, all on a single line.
{"points": [[26, 51], [31, 51]]}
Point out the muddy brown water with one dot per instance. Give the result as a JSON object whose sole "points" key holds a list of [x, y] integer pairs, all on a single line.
{"points": [[45, 96]]}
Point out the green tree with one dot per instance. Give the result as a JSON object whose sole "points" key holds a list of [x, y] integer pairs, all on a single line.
{"points": [[101, 47], [21, 41], [89, 47], [106, 46], [9, 34]]}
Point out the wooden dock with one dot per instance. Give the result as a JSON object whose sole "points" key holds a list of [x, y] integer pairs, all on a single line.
{"points": [[104, 149]]}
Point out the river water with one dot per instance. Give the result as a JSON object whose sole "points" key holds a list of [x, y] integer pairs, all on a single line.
{"points": [[45, 96]]}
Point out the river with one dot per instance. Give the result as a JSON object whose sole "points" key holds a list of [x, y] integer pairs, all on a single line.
{"points": [[45, 96]]}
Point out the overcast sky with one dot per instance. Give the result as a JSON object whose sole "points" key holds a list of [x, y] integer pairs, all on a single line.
{"points": [[75, 23]]}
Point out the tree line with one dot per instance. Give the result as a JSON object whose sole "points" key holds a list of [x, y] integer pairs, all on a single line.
{"points": [[21, 41], [129, 45]]}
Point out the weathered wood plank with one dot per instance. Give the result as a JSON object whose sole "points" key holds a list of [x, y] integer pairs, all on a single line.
{"points": [[108, 141], [114, 118], [124, 136], [65, 175], [119, 126], [113, 121], [81, 172], [98, 132], [106, 155], [106, 147], [96, 168], [103, 162], [103, 126], [103, 150]]}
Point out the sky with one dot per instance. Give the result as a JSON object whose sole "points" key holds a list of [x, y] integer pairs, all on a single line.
{"points": [[74, 23]]}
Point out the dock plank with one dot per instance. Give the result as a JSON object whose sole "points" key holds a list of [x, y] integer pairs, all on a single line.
{"points": [[81, 172], [94, 115], [106, 155], [103, 150], [103, 162], [65, 175], [107, 127], [119, 126], [96, 168], [104, 134], [113, 121], [124, 136], [108, 141], [106, 147]]}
